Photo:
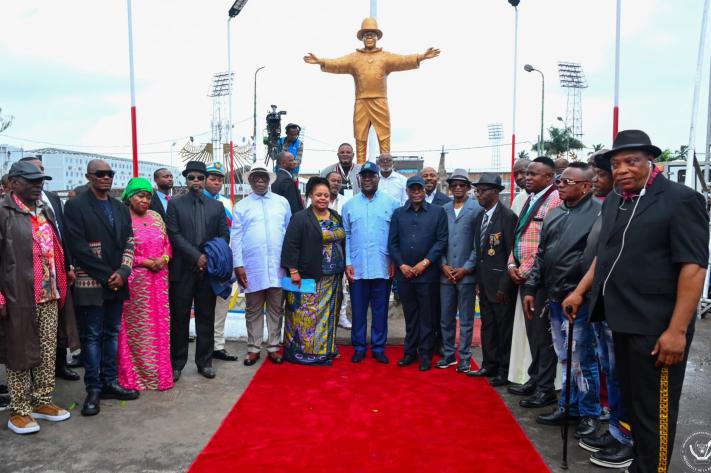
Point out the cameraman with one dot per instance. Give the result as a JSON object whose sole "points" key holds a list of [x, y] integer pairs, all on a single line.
{"points": [[293, 145]]}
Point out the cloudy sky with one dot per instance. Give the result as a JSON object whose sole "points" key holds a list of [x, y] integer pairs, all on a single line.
{"points": [[64, 71]]}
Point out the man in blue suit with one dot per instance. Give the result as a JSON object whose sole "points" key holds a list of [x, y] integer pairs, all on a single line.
{"points": [[457, 279]]}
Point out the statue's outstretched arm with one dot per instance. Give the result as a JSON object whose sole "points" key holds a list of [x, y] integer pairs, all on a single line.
{"points": [[311, 58], [341, 65], [430, 53]]}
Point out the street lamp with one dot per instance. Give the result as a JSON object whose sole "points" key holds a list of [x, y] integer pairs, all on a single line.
{"points": [[254, 131], [234, 10], [530, 68], [514, 4]]}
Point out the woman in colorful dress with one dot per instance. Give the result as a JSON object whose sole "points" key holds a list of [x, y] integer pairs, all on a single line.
{"points": [[313, 249], [144, 339]]}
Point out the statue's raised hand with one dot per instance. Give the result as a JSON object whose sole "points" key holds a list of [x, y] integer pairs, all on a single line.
{"points": [[431, 53], [312, 59]]}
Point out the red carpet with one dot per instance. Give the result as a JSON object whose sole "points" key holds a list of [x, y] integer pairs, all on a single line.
{"points": [[368, 418]]}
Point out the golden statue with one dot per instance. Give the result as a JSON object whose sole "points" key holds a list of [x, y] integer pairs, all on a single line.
{"points": [[370, 67]]}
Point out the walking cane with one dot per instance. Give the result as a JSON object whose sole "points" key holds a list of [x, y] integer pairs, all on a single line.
{"points": [[569, 351]]}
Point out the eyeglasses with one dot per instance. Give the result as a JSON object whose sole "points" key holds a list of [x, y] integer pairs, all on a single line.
{"points": [[193, 177], [458, 184], [101, 174], [568, 182], [259, 178]]}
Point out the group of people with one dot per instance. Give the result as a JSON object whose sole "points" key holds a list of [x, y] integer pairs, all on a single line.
{"points": [[578, 250]]}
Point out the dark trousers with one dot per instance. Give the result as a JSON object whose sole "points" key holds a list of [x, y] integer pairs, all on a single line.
{"points": [[438, 341], [182, 295], [648, 393], [98, 329], [543, 358], [418, 305], [373, 293], [496, 331]]}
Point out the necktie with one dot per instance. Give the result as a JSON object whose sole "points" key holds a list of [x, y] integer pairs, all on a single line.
{"points": [[199, 217], [483, 235]]}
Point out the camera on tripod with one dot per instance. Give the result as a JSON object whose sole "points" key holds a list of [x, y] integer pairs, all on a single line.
{"points": [[273, 133]]}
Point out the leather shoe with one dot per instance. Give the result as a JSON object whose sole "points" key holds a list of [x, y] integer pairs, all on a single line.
{"points": [[358, 357], [92, 403], [586, 426], [176, 375], [207, 371], [481, 373], [555, 417], [407, 360], [275, 358], [65, 372], [539, 399], [116, 391], [251, 359], [224, 355], [595, 443], [380, 357], [618, 456], [522, 389], [498, 381], [425, 364]]}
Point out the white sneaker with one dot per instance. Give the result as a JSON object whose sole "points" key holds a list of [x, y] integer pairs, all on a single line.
{"points": [[343, 322]]}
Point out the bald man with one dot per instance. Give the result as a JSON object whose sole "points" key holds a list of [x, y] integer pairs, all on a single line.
{"points": [[432, 195]]}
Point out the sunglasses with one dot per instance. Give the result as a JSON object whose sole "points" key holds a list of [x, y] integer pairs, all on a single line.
{"points": [[193, 177], [568, 182], [454, 185], [102, 174]]}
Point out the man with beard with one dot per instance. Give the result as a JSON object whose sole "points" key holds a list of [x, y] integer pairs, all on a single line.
{"points": [[164, 185], [347, 169], [432, 194], [391, 182]]}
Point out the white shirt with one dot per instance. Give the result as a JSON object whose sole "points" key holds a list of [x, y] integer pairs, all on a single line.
{"points": [[258, 226], [537, 195], [490, 212], [394, 185]]}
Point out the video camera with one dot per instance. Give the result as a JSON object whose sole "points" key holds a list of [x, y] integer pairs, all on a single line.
{"points": [[273, 133]]}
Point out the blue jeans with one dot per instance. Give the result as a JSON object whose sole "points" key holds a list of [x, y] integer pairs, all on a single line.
{"points": [[585, 391], [606, 353], [98, 329], [374, 293]]}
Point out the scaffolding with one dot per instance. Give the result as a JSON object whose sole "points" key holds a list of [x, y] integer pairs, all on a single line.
{"points": [[496, 137], [573, 78]]}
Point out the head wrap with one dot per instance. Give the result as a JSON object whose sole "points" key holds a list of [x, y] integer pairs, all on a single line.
{"points": [[136, 185]]}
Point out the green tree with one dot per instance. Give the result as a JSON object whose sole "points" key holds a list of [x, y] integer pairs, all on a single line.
{"points": [[596, 148], [523, 154], [667, 155], [681, 152], [5, 123], [559, 142]]}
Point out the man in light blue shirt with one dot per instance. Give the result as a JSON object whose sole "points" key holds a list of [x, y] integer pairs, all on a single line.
{"points": [[259, 223], [366, 219]]}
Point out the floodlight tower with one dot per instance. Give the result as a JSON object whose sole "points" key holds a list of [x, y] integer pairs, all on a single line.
{"points": [[221, 87], [496, 137], [573, 78]]}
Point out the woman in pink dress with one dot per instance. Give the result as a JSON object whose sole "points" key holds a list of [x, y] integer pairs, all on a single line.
{"points": [[144, 339]]}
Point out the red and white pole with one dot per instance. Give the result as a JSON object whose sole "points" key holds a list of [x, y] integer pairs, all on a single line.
{"points": [[616, 103], [134, 138], [513, 120]]}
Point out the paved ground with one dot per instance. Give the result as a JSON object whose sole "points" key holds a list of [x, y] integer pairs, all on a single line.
{"points": [[163, 432]]}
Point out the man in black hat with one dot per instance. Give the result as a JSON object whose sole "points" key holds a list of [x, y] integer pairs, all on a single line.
{"points": [[192, 220], [101, 242], [494, 239], [416, 242], [646, 282]]}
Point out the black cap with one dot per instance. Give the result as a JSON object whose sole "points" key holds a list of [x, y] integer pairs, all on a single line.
{"points": [[27, 170]]}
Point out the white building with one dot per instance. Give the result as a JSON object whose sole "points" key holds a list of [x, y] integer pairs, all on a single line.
{"points": [[68, 168]]}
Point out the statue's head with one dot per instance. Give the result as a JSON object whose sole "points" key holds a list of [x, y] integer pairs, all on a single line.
{"points": [[369, 33]]}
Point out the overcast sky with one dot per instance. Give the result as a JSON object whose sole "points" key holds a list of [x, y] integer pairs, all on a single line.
{"points": [[64, 71]]}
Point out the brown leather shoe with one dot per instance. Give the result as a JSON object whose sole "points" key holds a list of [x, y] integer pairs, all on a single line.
{"points": [[251, 359], [276, 358]]}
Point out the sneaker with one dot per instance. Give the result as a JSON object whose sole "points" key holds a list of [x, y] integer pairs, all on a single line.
{"points": [[343, 322], [446, 363], [619, 456], [595, 443], [23, 425], [50, 412], [464, 366]]}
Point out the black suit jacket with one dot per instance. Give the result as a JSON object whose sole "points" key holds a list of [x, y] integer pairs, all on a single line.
{"points": [[670, 227], [286, 187], [98, 249], [157, 205], [302, 247], [181, 226], [440, 198], [58, 211], [491, 270]]}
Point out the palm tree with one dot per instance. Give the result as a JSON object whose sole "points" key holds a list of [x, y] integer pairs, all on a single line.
{"points": [[523, 154], [681, 152], [560, 142], [596, 148], [667, 155], [5, 124]]}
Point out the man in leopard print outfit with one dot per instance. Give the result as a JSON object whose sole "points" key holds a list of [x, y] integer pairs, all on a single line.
{"points": [[33, 287]]}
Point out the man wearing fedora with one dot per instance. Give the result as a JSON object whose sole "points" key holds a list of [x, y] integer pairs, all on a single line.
{"points": [[192, 220], [646, 282], [213, 190], [370, 67], [258, 227], [457, 268], [494, 239]]}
